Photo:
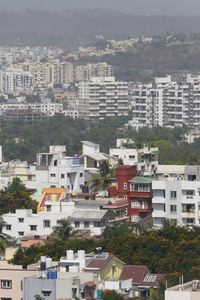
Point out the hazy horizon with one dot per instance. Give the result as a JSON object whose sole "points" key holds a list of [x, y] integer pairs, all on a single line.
{"points": [[138, 7]]}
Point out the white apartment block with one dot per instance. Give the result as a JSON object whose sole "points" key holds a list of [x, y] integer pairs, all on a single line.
{"points": [[103, 97], [167, 103], [146, 158], [14, 81], [176, 200], [58, 170], [26, 223], [49, 109]]}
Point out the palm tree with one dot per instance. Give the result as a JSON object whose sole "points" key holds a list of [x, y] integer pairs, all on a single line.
{"points": [[102, 180], [63, 230]]}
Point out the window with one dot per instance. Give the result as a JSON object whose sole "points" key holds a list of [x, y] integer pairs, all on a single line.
{"points": [[33, 227], [135, 204], [6, 284], [46, 223], [21, 220], [48, 207], [77, 224], [81, 174], [135, 218], [8, 227], [6, 298], [46, 293], [20, 233], [173, 194], [125, 185], [53, 175], [173, 208], [131, 156], [62, 175], [86, 224]]}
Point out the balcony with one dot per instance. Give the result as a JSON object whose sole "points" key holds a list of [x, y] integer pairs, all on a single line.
{"points": [[189, 215], [158, 214], [158, 200]]}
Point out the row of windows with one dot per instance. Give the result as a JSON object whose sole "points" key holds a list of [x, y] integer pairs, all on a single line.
{"points": [[46, 224], [53, 175]]}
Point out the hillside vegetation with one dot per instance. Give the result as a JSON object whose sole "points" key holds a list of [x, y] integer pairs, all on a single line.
{"points": [[22, 141]]}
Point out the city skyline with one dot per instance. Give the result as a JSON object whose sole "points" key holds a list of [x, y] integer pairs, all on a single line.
{"points": [[141, 7]]}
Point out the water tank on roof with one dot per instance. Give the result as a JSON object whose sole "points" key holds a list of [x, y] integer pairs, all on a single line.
{"points": [[52, 274]]}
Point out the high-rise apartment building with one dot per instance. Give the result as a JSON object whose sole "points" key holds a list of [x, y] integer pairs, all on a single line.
{"points": [[14, 81], [103, 97], [167, 103]]}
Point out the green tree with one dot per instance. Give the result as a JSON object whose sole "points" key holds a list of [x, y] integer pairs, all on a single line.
{"points": [[112, 295], [15, 185], [117, 229], [102, 180], [62, 231], [15, 196]]}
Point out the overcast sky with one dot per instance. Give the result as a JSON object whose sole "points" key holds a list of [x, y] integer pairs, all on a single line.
{"points": [[147, 7]]}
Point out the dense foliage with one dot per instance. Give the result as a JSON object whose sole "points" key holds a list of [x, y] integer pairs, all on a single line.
{"points": [[23, 141], [15, 196], [172, 250]]}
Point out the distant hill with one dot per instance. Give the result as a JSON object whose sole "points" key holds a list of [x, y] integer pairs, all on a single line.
{"points": [[71, 28]]}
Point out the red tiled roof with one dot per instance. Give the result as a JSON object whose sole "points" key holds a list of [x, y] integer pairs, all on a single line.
{"points": [[152, 280], [137, 273], [99, 264]]}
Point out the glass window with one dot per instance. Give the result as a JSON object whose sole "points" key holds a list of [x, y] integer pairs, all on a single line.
{"points": [[48, 207], [20, 233], [46, 223], [86, 224], [173, 194], [173, 208], [8, 227], [21, 220], [6, 284], [33, 227], [77, 224], [62, 175]]}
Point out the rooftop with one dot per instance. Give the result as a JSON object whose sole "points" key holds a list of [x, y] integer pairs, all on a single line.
{"points": [[191, 286], [138, 179], [137, 273]]}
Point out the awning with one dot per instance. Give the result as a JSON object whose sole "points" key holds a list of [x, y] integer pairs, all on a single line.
{"points": [[90, 283]]}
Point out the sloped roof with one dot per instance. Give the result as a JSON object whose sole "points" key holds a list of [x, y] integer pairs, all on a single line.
{"points": [[86, 214], [99, 262], [137, 273], [152, 280]]}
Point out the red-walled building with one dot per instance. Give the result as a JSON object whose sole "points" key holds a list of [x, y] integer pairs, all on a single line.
{"points": [[136, 190]]}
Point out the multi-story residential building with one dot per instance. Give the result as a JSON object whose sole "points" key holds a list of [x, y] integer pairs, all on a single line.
{"points": [[166, 103], [46, 109], [58, 170], [86, 72], [14, 81], [24, 222], [136, 190], [177, 199], [103, 97], [11, 279], [146, 158]]}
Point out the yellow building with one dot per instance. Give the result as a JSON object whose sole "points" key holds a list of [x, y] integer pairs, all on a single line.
{"points": [[106, 265]]}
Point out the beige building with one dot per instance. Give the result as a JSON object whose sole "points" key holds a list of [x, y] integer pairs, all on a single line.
{"points": [[103, 97], [186, 291], [86, 72], [11, 278]]}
